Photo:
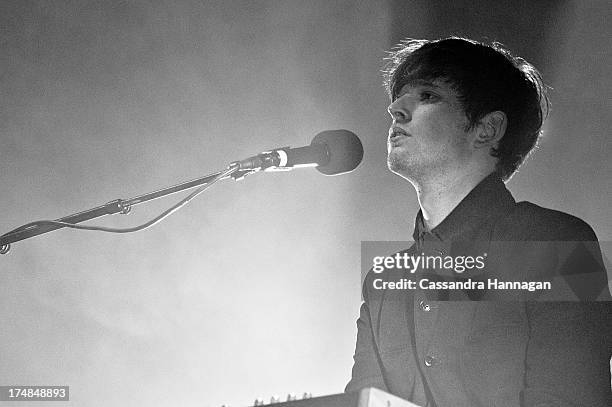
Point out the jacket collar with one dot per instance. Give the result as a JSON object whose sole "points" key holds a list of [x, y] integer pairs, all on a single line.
{"points": [[489, 200]]}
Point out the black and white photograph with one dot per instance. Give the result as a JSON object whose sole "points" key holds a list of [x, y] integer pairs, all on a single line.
{"points": [[241, 203]]}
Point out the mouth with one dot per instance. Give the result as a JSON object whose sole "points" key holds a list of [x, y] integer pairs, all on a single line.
{"points": [[396, 134]]}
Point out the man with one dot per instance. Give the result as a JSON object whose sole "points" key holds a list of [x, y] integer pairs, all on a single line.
{"points": [[465, 116]]}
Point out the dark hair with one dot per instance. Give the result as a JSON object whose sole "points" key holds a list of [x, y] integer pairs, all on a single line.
{"points": [[486, 78]]}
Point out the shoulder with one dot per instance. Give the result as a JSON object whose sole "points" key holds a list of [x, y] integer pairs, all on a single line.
{"points": [[528, 221], [561, 244]]}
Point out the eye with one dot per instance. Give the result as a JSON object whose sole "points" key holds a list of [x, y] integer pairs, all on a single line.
{"points": [[427, 96]]}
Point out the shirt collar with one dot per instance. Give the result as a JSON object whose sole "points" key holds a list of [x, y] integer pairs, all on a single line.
{"points": [[487, 201]]}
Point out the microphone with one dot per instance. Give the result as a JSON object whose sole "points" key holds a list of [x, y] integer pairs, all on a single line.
{"points": [[333, 152]]}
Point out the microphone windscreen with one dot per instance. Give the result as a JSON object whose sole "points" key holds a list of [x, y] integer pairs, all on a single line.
{"points": [[344, 149]]}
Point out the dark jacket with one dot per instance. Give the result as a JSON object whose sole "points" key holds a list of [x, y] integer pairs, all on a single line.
{"points": [[491, 348]]}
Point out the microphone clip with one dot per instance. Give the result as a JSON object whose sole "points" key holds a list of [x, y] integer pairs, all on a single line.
{"points": [[265, 161]]}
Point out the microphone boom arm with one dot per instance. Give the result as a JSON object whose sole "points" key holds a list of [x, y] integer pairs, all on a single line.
{"points": [[122, 206]]}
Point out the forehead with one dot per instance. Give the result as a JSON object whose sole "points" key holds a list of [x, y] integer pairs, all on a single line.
{"points": [[416, 82]]}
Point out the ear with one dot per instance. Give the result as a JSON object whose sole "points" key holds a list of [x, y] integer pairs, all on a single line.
{"points": [[491, 128]]}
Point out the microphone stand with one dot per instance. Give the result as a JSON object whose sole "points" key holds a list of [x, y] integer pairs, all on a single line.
{"points": [[122, 206]]}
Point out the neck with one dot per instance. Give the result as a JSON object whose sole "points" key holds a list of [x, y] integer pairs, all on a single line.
{"points": [[440, 195]]}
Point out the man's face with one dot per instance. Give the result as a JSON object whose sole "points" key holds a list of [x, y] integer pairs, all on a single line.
{"points": [[428, 135]]}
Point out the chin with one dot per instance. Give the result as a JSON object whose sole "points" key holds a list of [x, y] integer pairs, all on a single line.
{"points": [[402, 167], [398, 166], [397, 162]]}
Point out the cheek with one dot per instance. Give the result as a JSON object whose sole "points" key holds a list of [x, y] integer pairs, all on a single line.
{"points": [[434, 128], [444, 126]]}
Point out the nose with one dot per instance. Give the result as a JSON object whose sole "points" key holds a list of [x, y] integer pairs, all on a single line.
{"points": [[398, 111]]}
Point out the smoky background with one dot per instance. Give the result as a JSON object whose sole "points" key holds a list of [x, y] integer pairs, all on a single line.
{"points": [[253, 288]]}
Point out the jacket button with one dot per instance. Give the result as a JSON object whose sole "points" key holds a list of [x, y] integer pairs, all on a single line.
{"points": [[429, 361], [424, 306]]}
